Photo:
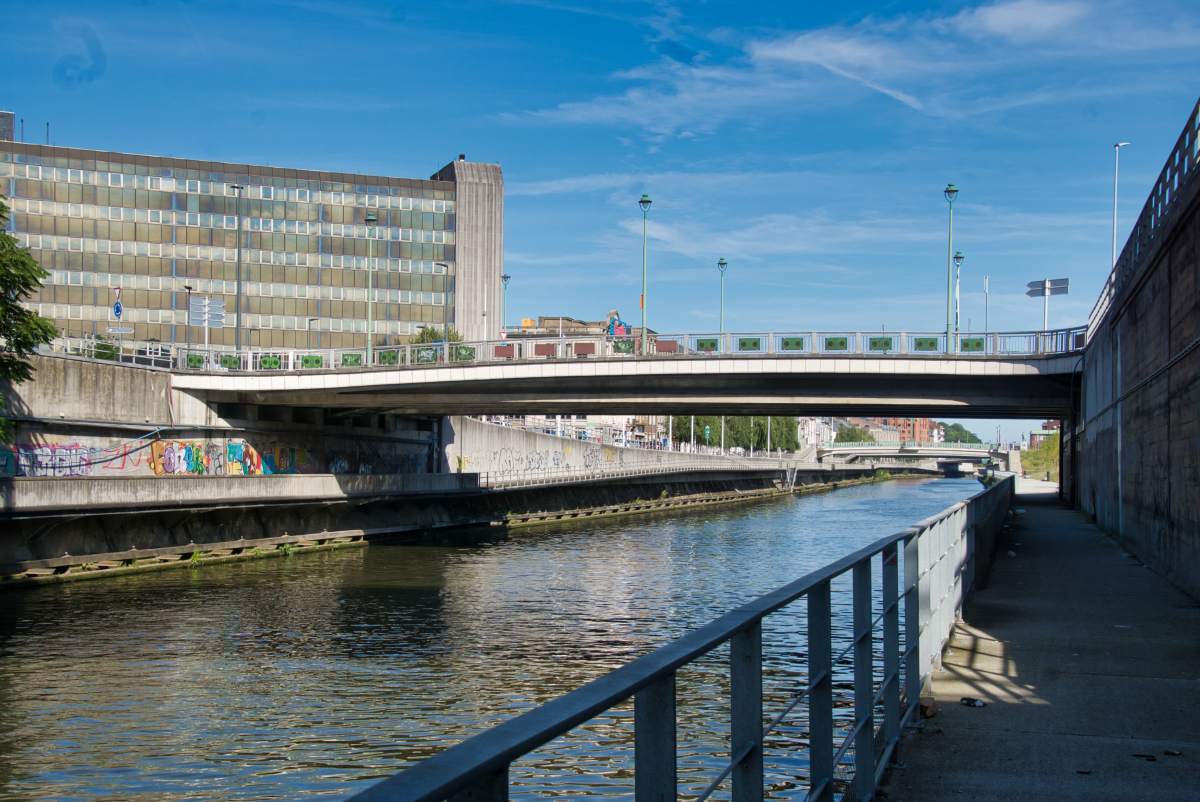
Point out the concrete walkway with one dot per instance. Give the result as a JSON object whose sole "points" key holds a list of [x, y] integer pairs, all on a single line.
{"points": [[1086, 659]]}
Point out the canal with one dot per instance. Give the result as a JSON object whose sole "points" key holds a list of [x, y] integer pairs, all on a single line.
{"points": [[319, 673]]}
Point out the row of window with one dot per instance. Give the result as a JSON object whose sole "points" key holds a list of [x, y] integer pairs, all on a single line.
{"points": [[230, 222], [210, 253], [126, 181], [250, 288], [199, 175], [180, 318], [205, 220]]}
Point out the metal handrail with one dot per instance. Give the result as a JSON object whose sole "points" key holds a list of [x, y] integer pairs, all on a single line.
{"points": [[938, 563], [1176, 173], [192, 358]]}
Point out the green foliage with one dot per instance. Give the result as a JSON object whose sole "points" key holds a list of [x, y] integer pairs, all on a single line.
{"points": [[739, 431], [1043, 459], [21, 330], [104, 348], [433, 333], [288, 549], [955, 433], [853, 434], [880, 473]]}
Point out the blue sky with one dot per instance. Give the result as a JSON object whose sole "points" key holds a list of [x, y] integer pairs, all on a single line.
{"points": [[806, 143]]}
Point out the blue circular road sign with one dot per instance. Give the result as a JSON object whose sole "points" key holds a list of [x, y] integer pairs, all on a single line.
{"points": [[117, 309]]}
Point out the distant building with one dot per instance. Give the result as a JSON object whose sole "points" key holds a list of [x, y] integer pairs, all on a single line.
{"points": [[155, 226]]}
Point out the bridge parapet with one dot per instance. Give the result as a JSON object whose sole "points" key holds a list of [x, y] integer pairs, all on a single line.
{"points": [[273, 361]]}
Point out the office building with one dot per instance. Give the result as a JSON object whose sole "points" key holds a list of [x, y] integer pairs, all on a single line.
{"points": [[155, 227]]}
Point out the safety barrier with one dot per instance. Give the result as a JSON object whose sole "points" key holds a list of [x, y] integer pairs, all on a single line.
{"points": [[940, 557]]}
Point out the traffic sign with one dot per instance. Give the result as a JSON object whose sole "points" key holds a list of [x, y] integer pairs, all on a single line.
{"points": [[118, 330], [117, 293], [118, 309], [706, 431], [1056, 286]]}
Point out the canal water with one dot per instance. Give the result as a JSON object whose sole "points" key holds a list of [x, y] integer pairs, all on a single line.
{"points": [[318, 674]]}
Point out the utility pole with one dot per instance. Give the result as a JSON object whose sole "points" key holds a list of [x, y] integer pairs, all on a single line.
{"points": [[237, 339]]}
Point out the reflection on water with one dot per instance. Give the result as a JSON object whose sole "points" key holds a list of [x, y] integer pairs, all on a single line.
{"points": [[318, 673]]}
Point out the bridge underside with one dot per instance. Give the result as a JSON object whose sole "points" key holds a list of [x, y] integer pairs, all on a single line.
{"points": [[1028, 396]]}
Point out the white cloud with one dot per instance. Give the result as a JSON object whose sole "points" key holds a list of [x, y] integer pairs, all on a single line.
{"points": [[1020, 21], [987, 58]]}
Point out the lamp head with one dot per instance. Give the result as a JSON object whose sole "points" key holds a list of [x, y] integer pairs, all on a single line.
{"points": [[958, 259], [187, 287], [1122, 144], [950, 192], [371, 218], [645, 203], [722, 264], [505, 278]]}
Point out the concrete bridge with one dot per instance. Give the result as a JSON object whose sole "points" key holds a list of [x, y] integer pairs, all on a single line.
{"points": [[939, 452], [865, 373]]}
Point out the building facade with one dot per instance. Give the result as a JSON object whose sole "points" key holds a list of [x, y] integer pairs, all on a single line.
{"points": [[155, 227]]}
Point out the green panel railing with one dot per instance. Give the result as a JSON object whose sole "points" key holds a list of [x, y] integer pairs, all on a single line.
{"points": [[926, 344], [880, 344], [623, 346], [388, 357], [424, 356], [195, 361], [749, 343], [791, 344], [270, 362], [230, 362], [837, 344], [972, 345], [709, 344], [352, 360], [312, 361]]}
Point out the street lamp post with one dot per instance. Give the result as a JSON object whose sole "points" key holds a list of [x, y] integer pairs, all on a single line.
{"points": [[958, 260], [504, 303], [308, 325], [1116, 164], [721, 265], [371, 220], [951, 192], [645, 204], [446, 315], [237, 340], [189, 314]]}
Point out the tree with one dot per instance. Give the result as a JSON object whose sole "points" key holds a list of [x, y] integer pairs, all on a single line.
{"points": [[853, 434], [21, 329], [435, 334], [955, 433], [738, 431]]}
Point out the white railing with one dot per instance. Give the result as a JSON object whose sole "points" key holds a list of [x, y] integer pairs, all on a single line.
{"points": [[1178, 170], [659, 347]]}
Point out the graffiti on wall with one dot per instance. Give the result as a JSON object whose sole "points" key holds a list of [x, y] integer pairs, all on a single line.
{"points": [[193, 458]]}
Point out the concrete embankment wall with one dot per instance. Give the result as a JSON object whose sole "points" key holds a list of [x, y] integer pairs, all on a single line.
{"points": [[506, 451], [81, 418], [1136, 456]]}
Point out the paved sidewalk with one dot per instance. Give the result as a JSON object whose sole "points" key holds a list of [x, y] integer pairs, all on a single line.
{"points": [[1085, 658]]}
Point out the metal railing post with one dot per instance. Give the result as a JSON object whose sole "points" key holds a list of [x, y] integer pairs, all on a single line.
{"points": [[654, 742], [820, 697], [493, 788], [864, 688], [891, 645], [746, 730]]}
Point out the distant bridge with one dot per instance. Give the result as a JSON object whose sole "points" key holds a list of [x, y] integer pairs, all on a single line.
{"points": [[1023, 374], [941, 452]]}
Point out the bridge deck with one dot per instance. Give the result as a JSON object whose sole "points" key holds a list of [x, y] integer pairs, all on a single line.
{"points": [[1085, 658]]}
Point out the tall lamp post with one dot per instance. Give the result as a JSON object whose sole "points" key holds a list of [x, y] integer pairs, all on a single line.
{"points": [[645, 204], [446, 316], [958, 260], [951, 192], [504, 303], [189, 313], [308, 325], [237, 340], [1116, 164], [721, 265], [371, 220]]}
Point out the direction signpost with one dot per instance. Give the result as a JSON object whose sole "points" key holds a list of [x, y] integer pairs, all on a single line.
{"points": [[1046, 288], [208, 313]]}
